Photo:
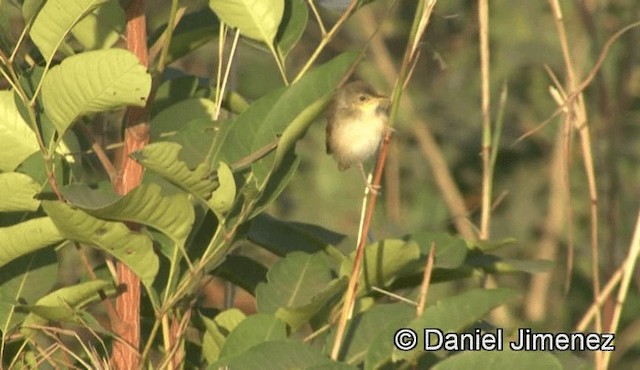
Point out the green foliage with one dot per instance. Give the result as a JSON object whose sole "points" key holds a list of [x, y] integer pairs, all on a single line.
{"points": [[215, 168]]}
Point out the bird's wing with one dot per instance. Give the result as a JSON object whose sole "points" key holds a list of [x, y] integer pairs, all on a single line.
{"points": [[329, 130]]}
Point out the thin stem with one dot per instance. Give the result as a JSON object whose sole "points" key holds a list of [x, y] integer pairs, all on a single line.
{"points": [[426, 279], [627, 274], [169, 34], [576, 113], [314, 10], [280, 64], [327, 39], [487, 175]]}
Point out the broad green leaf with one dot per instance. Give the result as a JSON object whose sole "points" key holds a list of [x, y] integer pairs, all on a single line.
{"points": [[163, 158], [222, 198], [62, 303], [281, 237], [450, 251], [26, 237], [56, 19], [300, 315], [282, 355], [94, 81], [24, 280], [489, 245], [134, 249], [383, 262], [176, 116], [454, 314], [18, 140], [294, 22], [495, 264], [101, 28], [17, 192], [242, 131], [242, 271], [363, 328], [170, 214], [253, 330], [216, 331], [294, 281], [256, 19], [172, 91], [507, 359], [194, 30], [293, 113]]}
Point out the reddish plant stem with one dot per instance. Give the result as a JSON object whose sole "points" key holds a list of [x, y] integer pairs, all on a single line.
{"points": [[126, 354]]}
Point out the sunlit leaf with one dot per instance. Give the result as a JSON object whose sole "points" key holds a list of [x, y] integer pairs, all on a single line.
{"points": [[163, 158], [56, 19], [26, 237], [94, 81], [18, 140], [222, 198], [256, 19], [134, 249], [294, 22], [60, 305], [17, 192]]}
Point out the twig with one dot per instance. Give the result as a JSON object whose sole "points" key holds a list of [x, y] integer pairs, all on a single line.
{"points": [[426, 280], [487, 170], [627, 273]]}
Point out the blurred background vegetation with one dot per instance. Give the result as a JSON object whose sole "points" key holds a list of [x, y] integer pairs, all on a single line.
{"points": [[533, 204]]}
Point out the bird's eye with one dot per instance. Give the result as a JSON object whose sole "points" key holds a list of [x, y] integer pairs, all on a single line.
{"points": [[362, 98]]}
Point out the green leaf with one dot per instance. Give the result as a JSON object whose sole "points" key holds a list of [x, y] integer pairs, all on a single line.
{"points": [[172, 215], [450, 253], [384, 261], [282, 355], [253, 330], [380, 319], [222, 198], [176, 116], [489, 245], [194, 30], [454, 314], [163, 158], [282, 237], [495, 264], [298, 107], [24, 280], [101, 28], [242, 131], [294, 22], [26, 237], [242, 271], [480, 360], [300, 315], [216, 331], [17, 192], [298, 287], [134, 249], [60, 305], [55, 20], [256, 19], [18, 140], [173, 91], [94, 81], [293, 281]]}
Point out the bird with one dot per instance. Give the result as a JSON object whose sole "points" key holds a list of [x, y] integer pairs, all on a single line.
{"points": [[357, 119]]}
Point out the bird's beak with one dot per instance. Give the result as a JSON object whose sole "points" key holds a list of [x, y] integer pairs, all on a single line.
{"points": [[383, 102]]}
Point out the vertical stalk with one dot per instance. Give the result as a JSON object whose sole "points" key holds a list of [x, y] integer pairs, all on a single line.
{"points": [[487, 168], [126, 355]]}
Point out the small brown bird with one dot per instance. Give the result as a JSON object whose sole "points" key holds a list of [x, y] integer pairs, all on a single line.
{"points": [[356, 121]]}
